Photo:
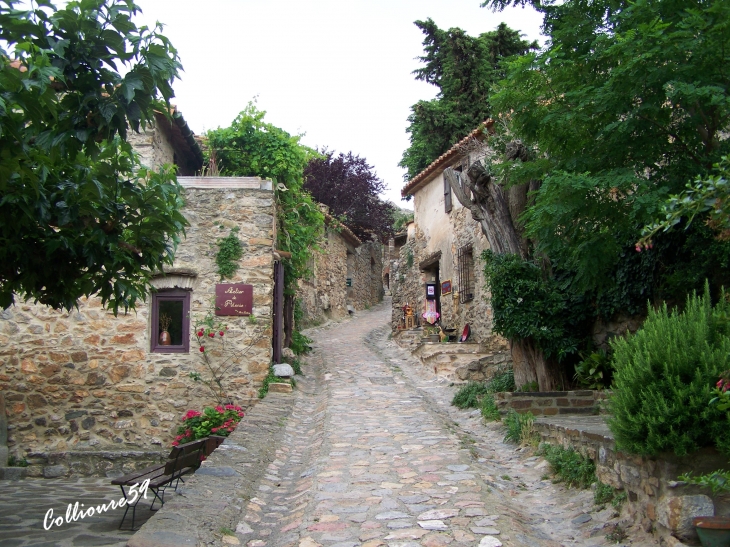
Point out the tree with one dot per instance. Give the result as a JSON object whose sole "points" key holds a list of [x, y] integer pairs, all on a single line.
{"points": [[347, 185], [464, 68], [77, 215], [626, 106], [253, 147]]}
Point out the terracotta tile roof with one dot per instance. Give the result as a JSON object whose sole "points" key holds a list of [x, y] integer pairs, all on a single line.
{"points": [[443, 160]]}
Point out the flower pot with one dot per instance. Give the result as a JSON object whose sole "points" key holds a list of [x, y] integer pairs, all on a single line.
{"points": [[165, 339], [433, 338], [713, 531]]}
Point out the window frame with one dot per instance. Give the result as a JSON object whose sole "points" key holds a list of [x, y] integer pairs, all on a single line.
{"points": [[167, 295]]}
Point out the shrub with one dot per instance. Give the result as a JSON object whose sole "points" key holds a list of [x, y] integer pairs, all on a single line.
{"points": [[520, 428], [503, 380], [489, 409], [664, 378], [216, 421], [469, 395], [594, 371], [569, 466], [603, 494]]}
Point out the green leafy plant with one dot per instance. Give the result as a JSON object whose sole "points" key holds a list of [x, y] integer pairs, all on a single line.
{"points": [[717, 481], [296, 364], [469, 395], [569, 466], [271, 378], [219, 420], [409, 258], [594, 371], [519, 428], [603, 494], [300, 343], [530, 306], [503, 380], [79, 215], [489, 409], [530, 387], [14, 461], [664, 377], [619, 499], [229, 253]]}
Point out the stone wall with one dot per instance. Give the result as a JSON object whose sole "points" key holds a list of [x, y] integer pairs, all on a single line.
{"points": [[326, 295], [153, 146], [551, 403], [365, 268], [654, 497], [85, 381]]}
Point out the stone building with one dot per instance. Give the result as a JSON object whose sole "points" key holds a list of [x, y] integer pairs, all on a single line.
{"points": [[346, 276], [84, 387], [441, 254]]}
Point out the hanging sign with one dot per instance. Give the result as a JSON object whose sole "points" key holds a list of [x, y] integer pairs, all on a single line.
{"points": [[233, 299]]}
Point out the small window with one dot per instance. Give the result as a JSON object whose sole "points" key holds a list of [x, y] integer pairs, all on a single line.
{"points": [[466, 277], [170, 331]]}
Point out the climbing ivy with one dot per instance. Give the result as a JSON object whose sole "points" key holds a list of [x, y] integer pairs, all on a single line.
{"points": [[253, 147], [229, 253]]}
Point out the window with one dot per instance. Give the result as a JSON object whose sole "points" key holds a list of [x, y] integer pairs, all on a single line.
{"points": [[170, 331], [466, 278]]}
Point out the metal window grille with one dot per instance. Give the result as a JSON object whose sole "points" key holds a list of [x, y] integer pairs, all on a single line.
{"points": [[466, 277]]}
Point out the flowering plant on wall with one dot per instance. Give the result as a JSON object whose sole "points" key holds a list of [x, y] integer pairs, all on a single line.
{"points": [[212, 338], [219, 420]]}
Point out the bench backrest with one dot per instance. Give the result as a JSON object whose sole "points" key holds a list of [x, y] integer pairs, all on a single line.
{"points": [[185, 455]]}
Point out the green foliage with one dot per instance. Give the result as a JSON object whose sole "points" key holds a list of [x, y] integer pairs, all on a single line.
{"points": [[221, 421], [603, 493], [569, 466], [709, 194], [519, 427], [625, 106], [469, 395], [296, 364], [401, 219], [409, 258], [13, 461], [529, 305], [489, 409], [503, 380], [664, 377], [594, 371], [270, 378], [78, 215], [252, 147], [464, 68], [530, 387], [618, 499], [299, 343], [717, 481], [229, 253]]}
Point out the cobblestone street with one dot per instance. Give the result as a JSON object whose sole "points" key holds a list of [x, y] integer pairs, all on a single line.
{"points": [[370, 454]]}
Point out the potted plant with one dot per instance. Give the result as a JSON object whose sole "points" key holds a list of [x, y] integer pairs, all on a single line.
{"points": [[165, 338]]}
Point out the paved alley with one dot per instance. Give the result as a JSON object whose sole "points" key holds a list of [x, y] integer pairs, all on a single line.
{"points": [[383, 459], [366, 451]]}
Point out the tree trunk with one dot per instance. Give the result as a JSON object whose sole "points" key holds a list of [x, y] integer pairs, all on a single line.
{"points": [[497, 215]]}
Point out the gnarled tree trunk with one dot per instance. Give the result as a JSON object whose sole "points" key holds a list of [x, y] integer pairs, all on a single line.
{"points": [[497, 215]]}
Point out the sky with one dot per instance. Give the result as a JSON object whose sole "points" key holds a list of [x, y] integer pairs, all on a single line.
{"points": [[337, 71]]}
